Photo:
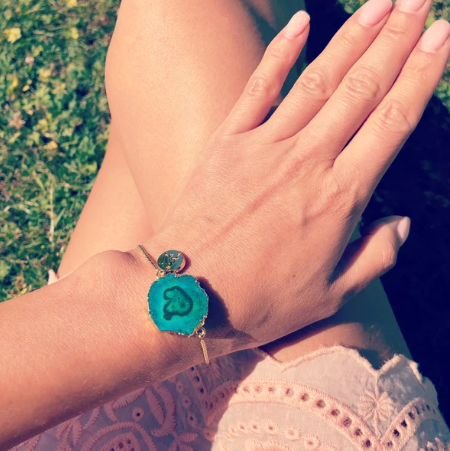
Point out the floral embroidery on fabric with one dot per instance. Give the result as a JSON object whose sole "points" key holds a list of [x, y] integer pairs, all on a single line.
{"points": [[242, 427], [211, 371], [93, 418], [255, 445], [187, 402], [167, 424], [408, 421], [247, 401], [180, 387], [181, 442], [118, 427], [28, 445], [192, 419], [123, 442], [271, 427], [69, 428], [332, 411], [123, 401], [292, 434], [254, 426], [375, 407], [127, 399], [304, 398], [155, 406], [138, 414], [209, 434], [311, 442]]}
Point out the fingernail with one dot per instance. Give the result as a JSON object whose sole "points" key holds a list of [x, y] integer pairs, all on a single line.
{"points": [[435, 37], [410, 6], [373, 12], [297, 25], [403, 229]]}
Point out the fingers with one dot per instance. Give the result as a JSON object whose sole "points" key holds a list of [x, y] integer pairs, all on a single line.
{"points": [[322, 76], [370, 256], [267, 80], [368, 81], [374, 147]]}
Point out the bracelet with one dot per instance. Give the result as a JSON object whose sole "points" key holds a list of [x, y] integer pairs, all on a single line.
{"points": [[177, 304]]}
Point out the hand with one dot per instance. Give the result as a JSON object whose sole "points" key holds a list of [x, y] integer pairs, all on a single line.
{"points": [[266, 212]]}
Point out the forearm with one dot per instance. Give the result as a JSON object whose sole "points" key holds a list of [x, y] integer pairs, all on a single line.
{"points": [[165, 113], [77, 344]]}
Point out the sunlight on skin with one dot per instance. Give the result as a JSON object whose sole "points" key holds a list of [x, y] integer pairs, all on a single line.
{"points": [[167, 157]]}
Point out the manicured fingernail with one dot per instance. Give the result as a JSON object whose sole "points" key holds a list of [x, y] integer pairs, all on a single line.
{"points": [[410, 6], [435, 37], [373, 12], [297, 25], [403, 229]]}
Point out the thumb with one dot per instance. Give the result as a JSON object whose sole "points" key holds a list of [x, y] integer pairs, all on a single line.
{"points": [[372, 255]]}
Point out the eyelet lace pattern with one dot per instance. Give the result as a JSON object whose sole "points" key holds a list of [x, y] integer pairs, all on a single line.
{"points": [[329, 400]]}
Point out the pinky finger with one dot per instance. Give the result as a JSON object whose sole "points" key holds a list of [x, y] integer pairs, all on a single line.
{"points": [[266, 82]]}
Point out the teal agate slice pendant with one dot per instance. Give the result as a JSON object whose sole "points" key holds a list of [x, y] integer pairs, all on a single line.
{"points": [[178, 304]]}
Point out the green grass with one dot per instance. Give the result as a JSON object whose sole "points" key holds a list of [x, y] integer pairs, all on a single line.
{"points": [[54, 126]]}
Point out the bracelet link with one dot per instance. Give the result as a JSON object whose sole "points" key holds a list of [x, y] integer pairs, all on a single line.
{"points": [[201, 333]]}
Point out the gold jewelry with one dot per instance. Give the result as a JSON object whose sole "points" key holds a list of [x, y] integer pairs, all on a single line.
{"points": [[177, 304]]}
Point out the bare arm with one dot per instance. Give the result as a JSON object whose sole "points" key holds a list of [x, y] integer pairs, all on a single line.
{"points": [[76, 344], [69, 347]]}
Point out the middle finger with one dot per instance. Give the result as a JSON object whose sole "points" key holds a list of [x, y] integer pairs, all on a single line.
{"points": [[368, 81]]}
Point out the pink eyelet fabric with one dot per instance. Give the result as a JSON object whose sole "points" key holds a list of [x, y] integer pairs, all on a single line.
{"points": [[331, 399]]}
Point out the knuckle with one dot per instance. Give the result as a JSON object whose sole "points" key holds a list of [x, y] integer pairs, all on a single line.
{"points": [[363, 84], [340, 192], [398, 29], [331, 196], [353, 192], [293, 166], [334, 189], [315, 81], [340, 196], [351, 38], [259, 86], [389, 256], [393, 117], [276, 52], [421, 70]]}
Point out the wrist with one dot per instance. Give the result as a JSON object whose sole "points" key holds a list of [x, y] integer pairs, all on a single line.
{"points": [[161, 353], [221, 338], [121, 338]]}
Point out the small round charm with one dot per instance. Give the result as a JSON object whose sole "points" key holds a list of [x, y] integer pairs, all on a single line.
{"points": [[171, 261]]}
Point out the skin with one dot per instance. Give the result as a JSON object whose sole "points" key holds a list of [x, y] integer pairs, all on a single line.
{"points": [[124, 209], [322, 192]]}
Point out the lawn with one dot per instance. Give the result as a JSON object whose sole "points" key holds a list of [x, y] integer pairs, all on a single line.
{"points": [[54, 128]]}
